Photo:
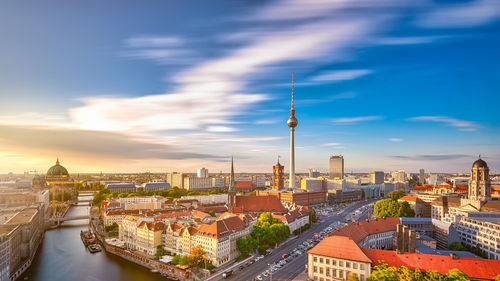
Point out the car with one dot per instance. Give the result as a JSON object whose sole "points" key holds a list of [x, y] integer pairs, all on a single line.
{"points": [[265, 274], [241, 267], [259, 278]]}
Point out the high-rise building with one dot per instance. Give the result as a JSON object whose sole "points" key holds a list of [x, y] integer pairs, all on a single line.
{"points": [[399, 176], [292, 123], [337, 166], [313, 173], [278, 181], [421, 176], [202, 173], [376, 177]]}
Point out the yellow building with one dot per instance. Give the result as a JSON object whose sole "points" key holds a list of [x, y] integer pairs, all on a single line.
{"points": [[149, 236], [326, 264]]}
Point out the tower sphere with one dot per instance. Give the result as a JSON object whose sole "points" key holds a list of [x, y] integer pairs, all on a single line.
{"points": [[292, 122]]}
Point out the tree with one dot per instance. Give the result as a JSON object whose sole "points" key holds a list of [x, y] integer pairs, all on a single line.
{"points": [[312, 216], [176, 259], [405, 210], [389, 208], [456, 275], [241, 243], [396, 194], [353, 277], [184, 260], [160, 252], [197, 254], [212, 213], [457, 246]]}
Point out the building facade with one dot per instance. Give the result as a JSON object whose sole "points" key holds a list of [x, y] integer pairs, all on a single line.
{"points": [[336, 167]]}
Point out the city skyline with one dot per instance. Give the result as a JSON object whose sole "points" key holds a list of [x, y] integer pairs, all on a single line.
{"points": [[389, 85]]}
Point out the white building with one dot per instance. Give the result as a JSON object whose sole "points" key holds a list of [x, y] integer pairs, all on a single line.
{"points": [[197, 184], [376, 177], [312, 184], [202, 173], [176, 179], [219, 182]]}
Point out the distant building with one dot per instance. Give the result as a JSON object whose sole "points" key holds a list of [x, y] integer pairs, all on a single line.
{"points": [[399, 176], [376, 177], [336, 167], [121, 187], [278, 179], [296, 198], [313, 173], [219, 182], [176, 179], [421, 176], [197, 184], [155, 186], [202, 173], [312, 184], [337, 196]]}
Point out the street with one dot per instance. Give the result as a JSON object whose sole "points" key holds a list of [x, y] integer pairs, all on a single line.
{"points": [[297, 265]]}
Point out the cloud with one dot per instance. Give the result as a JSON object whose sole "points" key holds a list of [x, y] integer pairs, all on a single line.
{"points": [[342, 75], [462, 125], [57, 141], [395, 139], [468, 14], [151, 42], [430, 157], [332, 144], [220, 129], [409, 40], [267, 121], [352, 120], [347, 95]]}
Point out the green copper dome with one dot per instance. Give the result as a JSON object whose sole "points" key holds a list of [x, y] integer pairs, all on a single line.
{"points": [[57, 170]]}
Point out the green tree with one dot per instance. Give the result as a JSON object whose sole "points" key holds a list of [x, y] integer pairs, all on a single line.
{"points": [[405, 210], [396, 194], [212, 213], [160, 252], [457, 246], [176, 259], [456, 275], [389, 208], [241, 243], [184, 260], [434, 276], [312, 216]]}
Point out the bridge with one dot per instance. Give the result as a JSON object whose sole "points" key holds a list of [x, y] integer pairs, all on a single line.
{"points": [[58, 220]]}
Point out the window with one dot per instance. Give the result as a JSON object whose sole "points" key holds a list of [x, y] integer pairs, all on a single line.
{"points": [[327, 271], [315, 269], [341, 274], [327, 261], [315, 259], [347, 264], [361, 266], [354, 265], [334, 262], [341, 263], [321, 260], [320, 270], [334, 272], [361, 277]]}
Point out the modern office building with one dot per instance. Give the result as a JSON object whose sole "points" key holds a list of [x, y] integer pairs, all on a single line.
{"points": [[202, 173], [313, 173], [336, 167], [197, 184], [421, 176], [376, 177]]}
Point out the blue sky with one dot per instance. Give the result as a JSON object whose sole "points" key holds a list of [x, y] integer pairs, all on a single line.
{"points": [[176, 85]]}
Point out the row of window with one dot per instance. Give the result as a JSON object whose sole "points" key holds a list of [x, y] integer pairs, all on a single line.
{"points": [[340, 274], [340, 263]]}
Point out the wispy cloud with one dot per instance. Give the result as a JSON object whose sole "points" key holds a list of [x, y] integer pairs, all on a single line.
{"points": [[395, 139], [430, 157], [151, 42], [462, 125], [267, 121], [347, 95], [412, 40], [220, 129], [353, 120], [332, 144], [466, 14], [341, 75]]}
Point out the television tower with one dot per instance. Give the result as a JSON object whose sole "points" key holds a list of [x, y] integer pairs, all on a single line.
{"points": [[292, 123]]}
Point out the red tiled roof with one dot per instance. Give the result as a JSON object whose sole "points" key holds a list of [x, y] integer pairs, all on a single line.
{"points": [[339, 247], [258, 204], [222, 227], [153, 226], [360, 230], [200, 215], [410, 198], [474, 268]]}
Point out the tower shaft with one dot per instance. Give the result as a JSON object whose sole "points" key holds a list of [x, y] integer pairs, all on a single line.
{"points": [[291, 182]]}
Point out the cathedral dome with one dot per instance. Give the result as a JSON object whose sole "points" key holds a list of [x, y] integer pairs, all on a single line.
{"points": [[479, 164], [57, 170]]}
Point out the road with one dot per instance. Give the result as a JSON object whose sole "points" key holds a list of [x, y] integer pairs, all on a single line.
{"points": [[297, 265]]}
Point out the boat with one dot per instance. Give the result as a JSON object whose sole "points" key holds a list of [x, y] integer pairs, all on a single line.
{"points": [[94, 248], [87, 237], [155, 270]]}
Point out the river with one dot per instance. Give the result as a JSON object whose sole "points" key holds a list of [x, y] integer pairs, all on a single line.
{"points": [[63, 257]]}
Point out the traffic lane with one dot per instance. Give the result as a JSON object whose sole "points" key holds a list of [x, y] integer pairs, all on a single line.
{"points": [[249, 273], [291, 269]]}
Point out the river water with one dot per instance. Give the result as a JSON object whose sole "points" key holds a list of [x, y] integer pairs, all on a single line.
{"points": [[63, 257]]}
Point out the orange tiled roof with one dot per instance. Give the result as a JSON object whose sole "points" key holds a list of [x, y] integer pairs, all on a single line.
{"points": [[222, 227], [340, 247], [475, 268], [200, 215], [154, 226], [360, 230], [410, 198], [257, 204]]}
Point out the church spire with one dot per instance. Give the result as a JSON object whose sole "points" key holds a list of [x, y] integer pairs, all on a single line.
{"points": [[231, 185], [57, 161]]}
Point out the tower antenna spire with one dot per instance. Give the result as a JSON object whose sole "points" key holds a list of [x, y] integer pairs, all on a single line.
{"points": [[292, 90]]}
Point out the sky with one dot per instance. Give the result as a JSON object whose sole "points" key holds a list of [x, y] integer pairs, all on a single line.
{"points": [[130, 86]]}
